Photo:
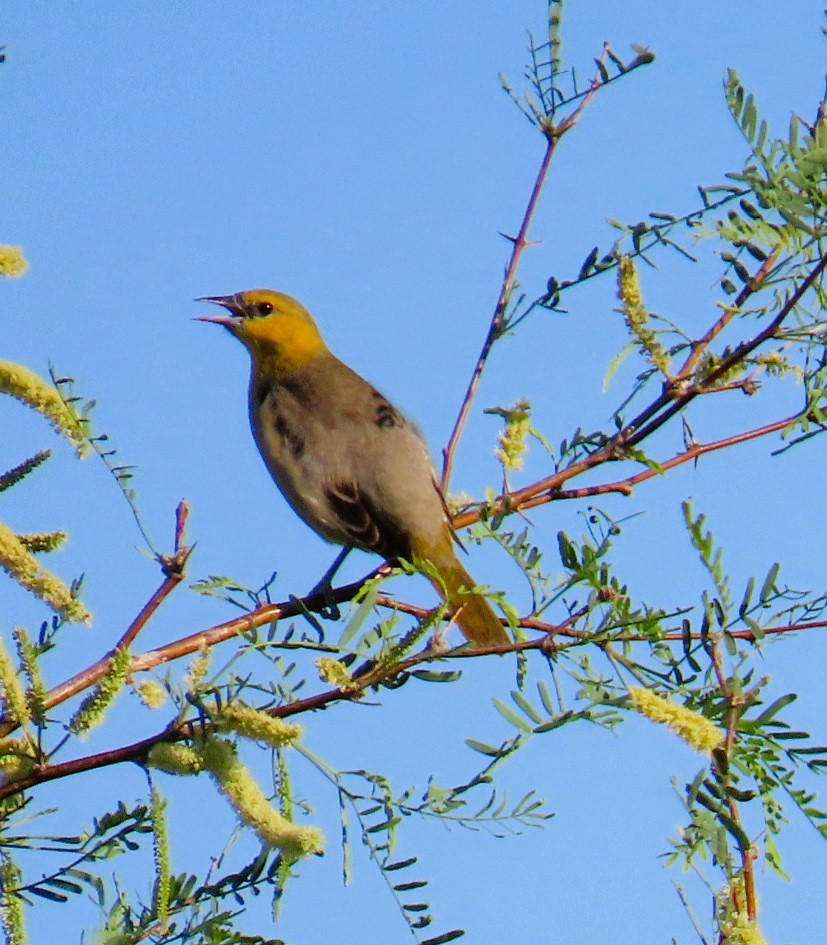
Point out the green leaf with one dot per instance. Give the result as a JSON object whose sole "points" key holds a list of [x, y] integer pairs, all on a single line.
{"points": [[553, 723], [399, 864], [545, 698], [755, 627], [568, 553], [451, 936], [588, 264], [773, 709], [736, 831], [363, 611], [527, 707], [47, 894], [414, 884], [745, 601], [443, 676], [696, 784], [615, 363], [768, 588], [383, 826], [483, 748], [511, 716], [64, 884]]}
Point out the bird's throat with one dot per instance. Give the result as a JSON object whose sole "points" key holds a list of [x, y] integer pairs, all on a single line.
{"points": [[283, 344]]}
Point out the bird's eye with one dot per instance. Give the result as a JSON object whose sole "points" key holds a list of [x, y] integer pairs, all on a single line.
{"points": [[264, 308]]}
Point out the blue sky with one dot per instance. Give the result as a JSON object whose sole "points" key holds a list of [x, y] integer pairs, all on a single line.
{"points": [[363, 158]]}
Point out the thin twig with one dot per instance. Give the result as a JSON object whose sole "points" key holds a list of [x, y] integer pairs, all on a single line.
{"points": [[626, 486], [519, 243], [553, 134]]}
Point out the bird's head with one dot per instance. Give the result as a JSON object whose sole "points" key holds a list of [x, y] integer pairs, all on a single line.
{"points": [[276, 329]]}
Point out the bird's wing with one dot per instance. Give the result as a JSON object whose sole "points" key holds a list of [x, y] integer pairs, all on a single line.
{"points": [[364, 524]]}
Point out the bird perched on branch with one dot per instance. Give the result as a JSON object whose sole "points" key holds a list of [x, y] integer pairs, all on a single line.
{"points": [[345, 459]]}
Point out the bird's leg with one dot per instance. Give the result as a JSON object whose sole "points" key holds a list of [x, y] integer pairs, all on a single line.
{"points": [[325, 585]]}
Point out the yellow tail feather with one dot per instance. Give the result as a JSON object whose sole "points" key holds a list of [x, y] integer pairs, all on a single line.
{"points": [[474, 615]]}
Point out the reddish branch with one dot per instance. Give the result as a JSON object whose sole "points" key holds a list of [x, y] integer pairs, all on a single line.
{"points": [[627, 485], [370, 676], [677, 389]]}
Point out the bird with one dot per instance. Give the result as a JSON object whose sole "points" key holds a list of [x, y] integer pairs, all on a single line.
{"points": [[345, 459]]}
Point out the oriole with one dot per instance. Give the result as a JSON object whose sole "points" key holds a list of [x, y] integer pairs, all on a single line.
{"points": [[348, 462]]}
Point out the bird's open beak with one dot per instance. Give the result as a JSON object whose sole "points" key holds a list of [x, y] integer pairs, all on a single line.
{"points": [[230, 302]]}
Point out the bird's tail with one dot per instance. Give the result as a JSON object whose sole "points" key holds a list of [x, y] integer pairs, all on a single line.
{"points": [[473, 613]]}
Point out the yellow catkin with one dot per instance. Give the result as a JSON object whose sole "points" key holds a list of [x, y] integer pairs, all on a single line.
{"points": [[11, 687], [40, 542], [36, 693], [19, 472], [94, 706], [151, 693], [12, 261], [22, 565], [628, 289], [31, 389], [258, 725], [197, 670], [333, 672], [160, 849], [175, 759], [741, 931], [237, 784], [16, 758], [637, 315], [11, 905], [737, 928], [696, 730], [511, 443]]}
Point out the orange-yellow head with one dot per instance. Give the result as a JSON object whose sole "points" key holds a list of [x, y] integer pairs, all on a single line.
{"points": [[278, 331]]}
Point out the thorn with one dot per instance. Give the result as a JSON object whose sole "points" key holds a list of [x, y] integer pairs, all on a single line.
{"points": [[516, 240]]}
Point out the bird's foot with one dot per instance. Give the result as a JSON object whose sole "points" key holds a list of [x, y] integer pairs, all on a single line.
{"points": [[330, 609]]}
